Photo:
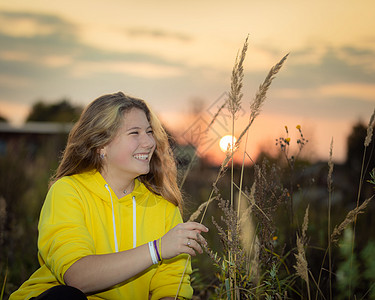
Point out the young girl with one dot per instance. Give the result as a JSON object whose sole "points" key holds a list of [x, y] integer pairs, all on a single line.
{"points": [[110, 226]]}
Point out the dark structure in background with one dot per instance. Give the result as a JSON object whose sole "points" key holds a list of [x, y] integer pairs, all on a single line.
{"points": [[32, 135]]}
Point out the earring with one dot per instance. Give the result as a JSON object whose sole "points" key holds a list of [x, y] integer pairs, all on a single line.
{"points": [[102, 155]]}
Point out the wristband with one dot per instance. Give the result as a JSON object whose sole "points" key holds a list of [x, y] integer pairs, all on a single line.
{"points": [[160, 249], [152, 253], [157, 251]]}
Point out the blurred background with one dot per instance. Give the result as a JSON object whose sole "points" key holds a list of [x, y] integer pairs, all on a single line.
{"points": [[56, 57], [173, 53]]}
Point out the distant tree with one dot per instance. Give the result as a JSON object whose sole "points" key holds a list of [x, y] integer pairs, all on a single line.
{"points": [[355, 148], [354, 161], [62, 111]]}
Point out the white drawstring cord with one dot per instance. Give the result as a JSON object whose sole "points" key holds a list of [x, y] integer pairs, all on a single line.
{"points": [[134, 223], [113, 218]]}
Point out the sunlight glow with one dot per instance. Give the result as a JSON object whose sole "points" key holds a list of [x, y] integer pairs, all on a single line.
{"points": [[226, 143]]}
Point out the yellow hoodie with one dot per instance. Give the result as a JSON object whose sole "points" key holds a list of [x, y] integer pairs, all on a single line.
{"points": [[82, 216]]}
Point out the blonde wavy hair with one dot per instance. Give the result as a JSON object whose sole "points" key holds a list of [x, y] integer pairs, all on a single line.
{"points": [[98, 125]]}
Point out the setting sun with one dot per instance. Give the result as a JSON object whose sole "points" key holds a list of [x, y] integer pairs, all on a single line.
{"points": [[226, 142]]}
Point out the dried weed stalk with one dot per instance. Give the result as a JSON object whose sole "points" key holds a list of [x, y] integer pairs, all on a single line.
{"points": [[235, 95], [330, 169], [231, 242], [263, 195], [255, 110], [251, 204], [370, 129], [350, 218], [237, 264], [269, 196], [330, 192], [260, 96], [301, 261]]}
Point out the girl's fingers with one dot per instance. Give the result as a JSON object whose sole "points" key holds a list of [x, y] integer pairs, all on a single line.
{"points": [[197, 237], [195, 226], [194, 238], [184, 238], [201, 240], [192, 247], [190, 251], [195, 245]]}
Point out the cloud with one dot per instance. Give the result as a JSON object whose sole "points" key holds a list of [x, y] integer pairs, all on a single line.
{"points": [[22, 24], [356, 56], [322, 83], [138, 69], [311, 68], [349, 90], [57, 61], [142, 32], [53, 58], [51, 51], [15, 56], [14, 81], [35, 39]]}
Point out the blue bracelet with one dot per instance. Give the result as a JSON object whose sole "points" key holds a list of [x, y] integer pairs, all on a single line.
{"points": [[157, 251]]}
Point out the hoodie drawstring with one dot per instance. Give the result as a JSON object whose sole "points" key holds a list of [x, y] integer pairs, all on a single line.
{"points": [[114, 220], [134, 223]]}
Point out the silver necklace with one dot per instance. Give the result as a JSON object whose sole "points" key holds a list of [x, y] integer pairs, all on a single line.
{"points": [[125, 191]]}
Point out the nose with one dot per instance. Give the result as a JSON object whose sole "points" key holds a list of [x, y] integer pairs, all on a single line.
{"points": [[148, 141]]}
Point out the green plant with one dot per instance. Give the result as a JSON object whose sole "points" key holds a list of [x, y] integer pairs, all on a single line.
{"points": [[3, 285], [372, 175], [348, 270], [368, 258]]}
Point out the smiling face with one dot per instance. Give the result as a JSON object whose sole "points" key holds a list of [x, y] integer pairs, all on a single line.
{"points": [[128, 155]]}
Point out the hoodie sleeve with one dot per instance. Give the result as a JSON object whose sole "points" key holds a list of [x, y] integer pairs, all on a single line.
{"points": [[166, 280], [63, 235]]}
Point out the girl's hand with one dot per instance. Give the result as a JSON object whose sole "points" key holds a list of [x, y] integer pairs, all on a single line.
{"points": [[183, 238]]}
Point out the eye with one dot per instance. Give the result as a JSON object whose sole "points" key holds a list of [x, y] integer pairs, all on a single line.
{"points": [[150, 131], [133, 132]]}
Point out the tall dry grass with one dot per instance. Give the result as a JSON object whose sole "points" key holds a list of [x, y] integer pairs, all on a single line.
{"points": [[249, 267], [235, 256]]}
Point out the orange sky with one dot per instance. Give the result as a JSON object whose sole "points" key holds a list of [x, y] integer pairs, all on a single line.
{"points": [[174, 53]]}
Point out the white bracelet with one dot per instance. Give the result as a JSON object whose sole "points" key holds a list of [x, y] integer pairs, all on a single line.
{"points": [[152, 253]]}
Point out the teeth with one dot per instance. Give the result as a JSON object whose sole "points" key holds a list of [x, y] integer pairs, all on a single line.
{"points": [[141, 156]]}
